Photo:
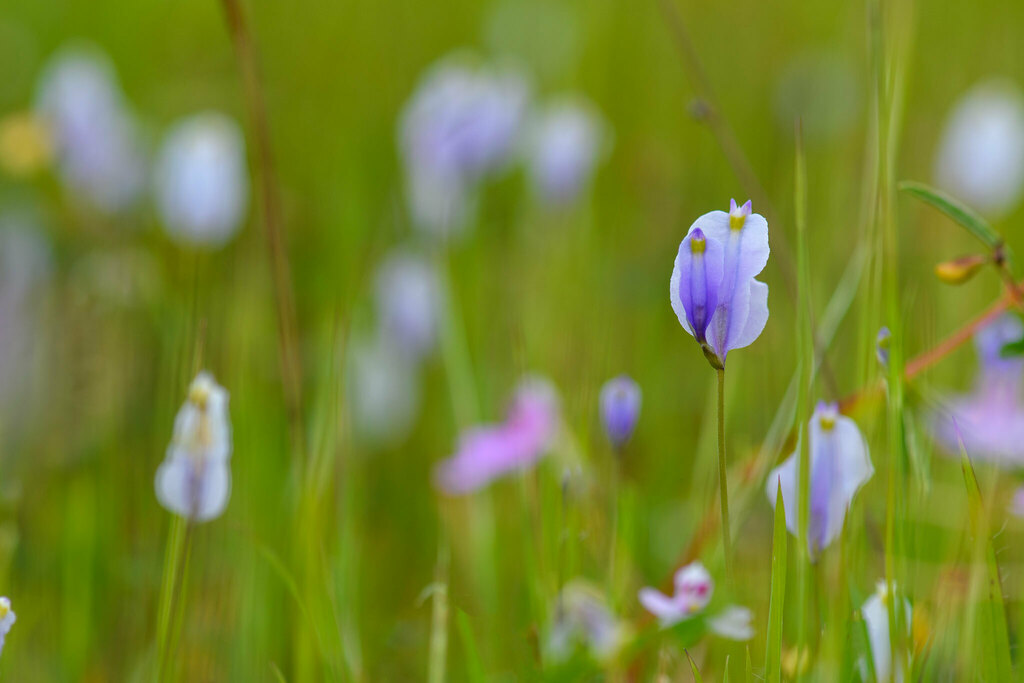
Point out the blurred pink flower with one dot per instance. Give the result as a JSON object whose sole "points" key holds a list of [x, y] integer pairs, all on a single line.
{"points": [[990, 419], [488, 452], [694, 587]]}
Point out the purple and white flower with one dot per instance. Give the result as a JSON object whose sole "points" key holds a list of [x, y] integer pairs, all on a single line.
{"points": [[693, 589], [839, 466], [713, 290], [7, 619], [194, 480], [460, 125], [564, 145], [989, 419], [620, 409], [201, 180], [96, 141], [488, 452], [582, 617]]}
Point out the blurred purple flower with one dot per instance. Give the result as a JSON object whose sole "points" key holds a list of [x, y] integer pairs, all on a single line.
{"points": [[620, 408], [96, 140], [383, 390], [194, 480], [460, 124], [583, 617], [981, 154], [409, 302], [1017, 503], [488, 452], [564, 145], [839, 466], [713, 290], [693, 589], [201, 180], [990, 419]]}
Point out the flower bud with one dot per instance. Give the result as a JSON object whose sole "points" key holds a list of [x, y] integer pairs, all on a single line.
{"points": [[620, 409], [960, 270]]}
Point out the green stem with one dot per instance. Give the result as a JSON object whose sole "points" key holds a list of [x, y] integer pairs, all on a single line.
{"points": [[722, 483], [179, 544]]}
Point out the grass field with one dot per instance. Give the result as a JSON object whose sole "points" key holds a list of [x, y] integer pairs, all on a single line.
{"points": [[346, 545]]}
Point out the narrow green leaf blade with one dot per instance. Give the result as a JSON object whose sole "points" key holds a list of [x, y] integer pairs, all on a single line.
{"points": [[693, 667], [962, 214], [777, 599]]}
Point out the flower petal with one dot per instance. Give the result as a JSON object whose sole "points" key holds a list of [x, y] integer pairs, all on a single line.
{"points": [[757, 316], [733, 623], [695, 284], [787, 475], [661, 606]]}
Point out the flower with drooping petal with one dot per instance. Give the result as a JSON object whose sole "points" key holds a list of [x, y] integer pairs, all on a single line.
{"points": [[981, 154], [409, 302], [875, 613], [839, 466], [582, 617], [693, 589], [7, 619], [488, 452], [201, 180], [620, 408], [713, 290], [95, 136], [460, 124], [563, 148], [990, 419], [383, 390], [733, 623], [194, 480]]}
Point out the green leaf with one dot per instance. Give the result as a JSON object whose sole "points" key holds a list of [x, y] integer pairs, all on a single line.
{"points": [[1012, 349], [693, 667], [962, 214], [992, 608], [725, 674], [474, 668], [777, 599]]}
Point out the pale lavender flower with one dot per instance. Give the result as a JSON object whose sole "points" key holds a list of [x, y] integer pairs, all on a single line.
{"points": [[875, 613], [7, 619], [981, 153], [98, 151], [839, 466], [990, 419], [409, 302], [461, 124], [582, 617], [201, 180], [693, 589], [194, 480], [713, 290], [488, 452], [563, 147], [383, 389], [620, 409]]}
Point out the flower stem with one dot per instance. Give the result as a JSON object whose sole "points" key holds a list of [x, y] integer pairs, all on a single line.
{"points": [[179, 544], [722, 483]]}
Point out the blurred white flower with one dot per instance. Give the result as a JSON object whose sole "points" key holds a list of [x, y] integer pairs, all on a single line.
{"points": [[383, 391], [98, 151], [733, 623], [564, 144], [194, 480], [461, 124], [7, 619], [875, 612], [981, 154], [409, 302], [582, 617], [201, 180]]}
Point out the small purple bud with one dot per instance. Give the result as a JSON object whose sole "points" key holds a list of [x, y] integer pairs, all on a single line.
{"points": [[882, 346], [620, 409]]}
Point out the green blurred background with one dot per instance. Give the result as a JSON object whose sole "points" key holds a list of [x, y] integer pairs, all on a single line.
{"points": [[578, 294]]}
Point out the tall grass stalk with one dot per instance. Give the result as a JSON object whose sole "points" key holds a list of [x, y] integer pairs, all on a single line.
{"points": [[723, 483], [172, 588]]}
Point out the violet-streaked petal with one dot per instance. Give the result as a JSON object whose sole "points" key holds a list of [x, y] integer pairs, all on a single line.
{"points": [[696, 282]]}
